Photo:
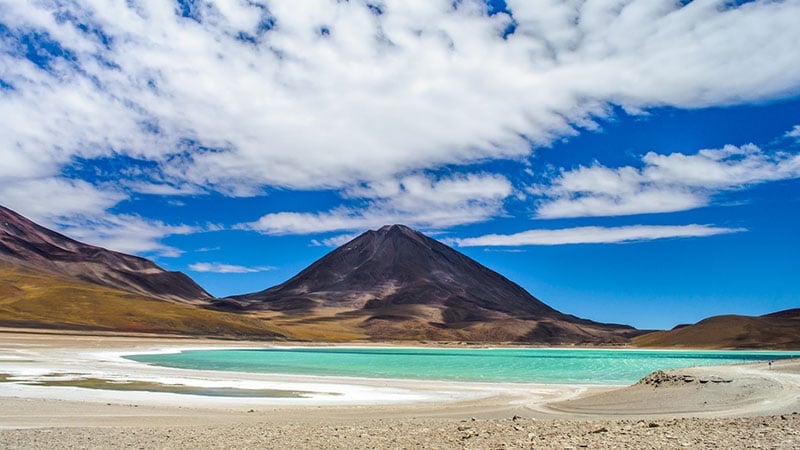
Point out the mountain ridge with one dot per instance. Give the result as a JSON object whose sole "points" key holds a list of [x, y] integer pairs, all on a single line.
{"points": [[51, 281], [25, 242]]}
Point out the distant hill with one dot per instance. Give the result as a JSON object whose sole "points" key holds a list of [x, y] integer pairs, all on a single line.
{"points": [[780, 330], [48, 280], [396, 283]]}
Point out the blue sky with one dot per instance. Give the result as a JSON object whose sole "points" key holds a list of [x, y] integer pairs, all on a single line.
{"points": [[626, 161]]}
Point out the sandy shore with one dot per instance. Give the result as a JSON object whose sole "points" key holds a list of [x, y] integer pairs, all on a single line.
{"points": [[730, 406]]}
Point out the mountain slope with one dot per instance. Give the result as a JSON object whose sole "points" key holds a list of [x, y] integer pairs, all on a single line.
{"points": [[38, 299], [28, 244], [780, 330], [48, 280], [396, 283]]}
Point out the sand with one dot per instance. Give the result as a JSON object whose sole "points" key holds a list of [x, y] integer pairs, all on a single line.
{"points": [[741, 406]]}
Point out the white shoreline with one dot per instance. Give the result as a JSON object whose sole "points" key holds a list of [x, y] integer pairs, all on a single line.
{"points": [[756, 390], [77, 363], [379, 413]]}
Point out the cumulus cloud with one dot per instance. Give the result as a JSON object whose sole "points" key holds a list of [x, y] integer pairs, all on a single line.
{"points": [[237, 95], [794, 132], [414, 200], [665, 183], [594, 235], [227, 268]]}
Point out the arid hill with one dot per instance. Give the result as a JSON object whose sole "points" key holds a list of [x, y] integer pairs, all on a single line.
{"points": [[396, 283], [25, 243], [48, 280], [780, 331]]}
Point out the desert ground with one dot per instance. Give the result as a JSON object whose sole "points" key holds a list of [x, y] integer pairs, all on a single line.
{"points": [[74, 390]]}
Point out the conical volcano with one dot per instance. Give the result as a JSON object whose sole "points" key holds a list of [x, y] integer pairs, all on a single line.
{"points": [[397, 283]]}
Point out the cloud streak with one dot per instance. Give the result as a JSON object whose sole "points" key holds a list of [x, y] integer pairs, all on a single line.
{"points": [[215, 267], [593, 235], [665, 183], [125, 233]]}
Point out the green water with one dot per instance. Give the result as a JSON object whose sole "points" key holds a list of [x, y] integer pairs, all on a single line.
{"points": [[489, 365]]}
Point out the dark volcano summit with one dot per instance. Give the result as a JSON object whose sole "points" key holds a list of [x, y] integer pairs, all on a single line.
{"points": [[397, 283]]}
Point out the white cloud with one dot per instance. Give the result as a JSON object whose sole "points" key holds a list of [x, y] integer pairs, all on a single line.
{"points": [[227, 268], [666, 183], [794, 132], [334, 241], [124, 233], [45, 199], [80, 210], [594, 235], [222, 104], [414, 200]]}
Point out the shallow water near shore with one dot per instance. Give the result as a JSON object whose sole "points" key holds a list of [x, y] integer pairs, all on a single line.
{"points": [[552, 366]]}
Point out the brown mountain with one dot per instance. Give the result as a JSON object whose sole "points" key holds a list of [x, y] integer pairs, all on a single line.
{"points": [[25, 243], [396, 283], [48, 280], [780, 330]]}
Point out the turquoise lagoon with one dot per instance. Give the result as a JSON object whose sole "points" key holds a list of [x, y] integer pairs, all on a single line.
{"points": [[516, 365]]}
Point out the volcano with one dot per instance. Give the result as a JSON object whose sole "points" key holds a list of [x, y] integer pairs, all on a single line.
{"points": [[397, 283]]}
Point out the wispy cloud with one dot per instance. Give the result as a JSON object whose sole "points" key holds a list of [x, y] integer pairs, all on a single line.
{"points": [[794, 132], [80, 210], [125, 233], [334, 241], [594, 235], [227, 268], [665, 183], [413, 200]]}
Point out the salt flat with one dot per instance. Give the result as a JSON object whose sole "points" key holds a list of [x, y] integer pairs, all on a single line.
{"points": [[378, 409]]}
